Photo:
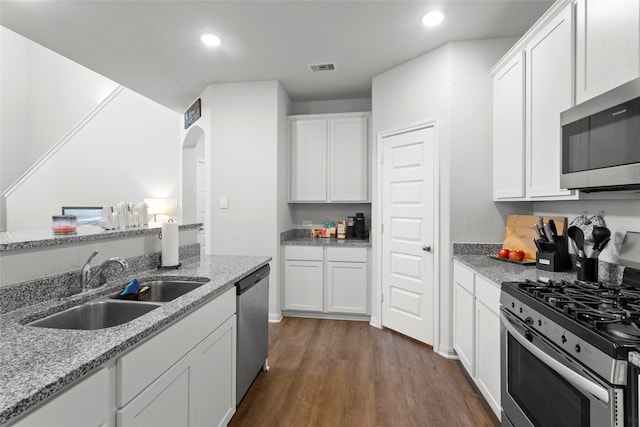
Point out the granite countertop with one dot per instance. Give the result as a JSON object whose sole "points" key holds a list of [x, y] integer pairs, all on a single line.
{"points": [[38, 362], [302, 237], [43, 238], [499, 271]]}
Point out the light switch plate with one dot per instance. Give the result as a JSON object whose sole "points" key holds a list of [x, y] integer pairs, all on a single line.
{"points": [[223, 202]]}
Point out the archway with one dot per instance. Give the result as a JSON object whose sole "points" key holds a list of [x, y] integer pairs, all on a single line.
{"points": [[193, 183]]}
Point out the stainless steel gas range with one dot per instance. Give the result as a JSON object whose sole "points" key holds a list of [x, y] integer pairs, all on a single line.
{"points": [[570, 353]]}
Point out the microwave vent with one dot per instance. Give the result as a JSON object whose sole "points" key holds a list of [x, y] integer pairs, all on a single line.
{"points": [[329, 66]]}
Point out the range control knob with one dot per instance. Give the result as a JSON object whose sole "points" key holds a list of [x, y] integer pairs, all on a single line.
{"points": [[513, 304], [528, 321], [563, 339], [520, 310], [577, 348], [539, 322]]}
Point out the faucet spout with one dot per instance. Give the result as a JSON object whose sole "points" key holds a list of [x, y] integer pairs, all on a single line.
{"points": [[89, 277]]}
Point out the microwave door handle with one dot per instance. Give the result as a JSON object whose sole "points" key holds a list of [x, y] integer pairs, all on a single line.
{"points": [[573, 377]]}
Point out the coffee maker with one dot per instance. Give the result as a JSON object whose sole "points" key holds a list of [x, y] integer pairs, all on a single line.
{"points": [[360, 228]]}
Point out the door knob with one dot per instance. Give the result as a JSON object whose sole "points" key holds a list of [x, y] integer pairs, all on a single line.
{"points": [[426, 248]]}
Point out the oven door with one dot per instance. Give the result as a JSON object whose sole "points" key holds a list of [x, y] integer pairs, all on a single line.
{"points": [[542, 386]]}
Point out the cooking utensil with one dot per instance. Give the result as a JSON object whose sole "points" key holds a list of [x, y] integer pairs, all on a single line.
{"points": [[571, 232], [580, 242], [600, 234], [554, 230], [599, 248]]}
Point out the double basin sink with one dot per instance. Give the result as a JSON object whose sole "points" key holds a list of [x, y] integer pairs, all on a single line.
{"points": [[109, 311]]}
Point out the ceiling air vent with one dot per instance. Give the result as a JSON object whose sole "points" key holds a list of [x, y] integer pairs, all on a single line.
{"points": [[322, 67]]}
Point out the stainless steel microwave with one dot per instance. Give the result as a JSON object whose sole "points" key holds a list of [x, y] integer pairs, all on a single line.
{"points": [[601, 142]]}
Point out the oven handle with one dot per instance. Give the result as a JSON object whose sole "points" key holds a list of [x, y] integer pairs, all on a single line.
{"points": [[568, 374]]}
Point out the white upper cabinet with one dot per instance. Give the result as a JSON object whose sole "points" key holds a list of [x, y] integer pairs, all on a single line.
{"points": [[607, 45], [508, 125], [329, 158], [548, 93]]}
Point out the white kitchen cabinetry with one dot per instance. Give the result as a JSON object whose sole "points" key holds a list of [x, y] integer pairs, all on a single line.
{"points": [[326, 280], [347, 280], [607, 45], [548, 82], [185, 375], [329, 157], [508, 125], [303, 278], [87, 404], [476, 333], [463, 312], [487, 333], [532, 85]]}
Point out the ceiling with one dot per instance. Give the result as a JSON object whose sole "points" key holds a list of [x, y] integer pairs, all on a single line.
{"points": [[154, 47]]}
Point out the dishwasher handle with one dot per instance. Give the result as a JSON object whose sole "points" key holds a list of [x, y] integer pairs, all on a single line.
{"points": [[252, 279]]}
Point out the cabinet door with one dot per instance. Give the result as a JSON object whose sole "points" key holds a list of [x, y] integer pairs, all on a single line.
{"points": [[308, 145], [84, 405], [488, 354], [607, 45], [463, 330], [347, 287], [509, 142], [213, 396], [163, 403], [348, 159], [549, 82], [303, 285]]}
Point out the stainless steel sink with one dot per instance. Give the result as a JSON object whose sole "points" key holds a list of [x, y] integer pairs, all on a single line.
{"points": [[167, 290], [96, 315]]}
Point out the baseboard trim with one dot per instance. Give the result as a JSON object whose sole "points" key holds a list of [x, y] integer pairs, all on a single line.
{"points": [[448, 352]]}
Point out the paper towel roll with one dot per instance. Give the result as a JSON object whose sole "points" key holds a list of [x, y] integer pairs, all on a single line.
{"points": [[169, 244]]}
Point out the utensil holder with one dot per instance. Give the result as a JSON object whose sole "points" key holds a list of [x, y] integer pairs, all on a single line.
{"points": [[553, 256], [587, 269]]}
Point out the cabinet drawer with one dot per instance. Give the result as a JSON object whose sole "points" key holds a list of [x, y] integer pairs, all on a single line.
{"points": [[347, 254], [489, 293], [463, 276], [139, 368], [303, 253]]}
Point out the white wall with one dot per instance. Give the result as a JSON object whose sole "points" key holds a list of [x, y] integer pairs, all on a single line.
{"points": [[331, 106], [245, 140], [620, 216], [452, 86], [44, 95], [128, 152]]}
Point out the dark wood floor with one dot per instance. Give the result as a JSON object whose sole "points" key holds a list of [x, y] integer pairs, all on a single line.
{"points": [[341, 373]]}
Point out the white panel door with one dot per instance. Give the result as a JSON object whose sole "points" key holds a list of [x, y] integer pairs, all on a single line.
{"points": [[308, 160], [607, 45], [408, 233]]}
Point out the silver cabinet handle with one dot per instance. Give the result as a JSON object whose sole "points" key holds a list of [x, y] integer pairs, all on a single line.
{"points": [[426, 248]]}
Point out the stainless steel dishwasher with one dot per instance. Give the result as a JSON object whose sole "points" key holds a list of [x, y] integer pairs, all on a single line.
{"points": [[253, 329]]}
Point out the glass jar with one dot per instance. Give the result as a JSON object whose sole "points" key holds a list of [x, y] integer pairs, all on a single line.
{"points": [[63, 224]]}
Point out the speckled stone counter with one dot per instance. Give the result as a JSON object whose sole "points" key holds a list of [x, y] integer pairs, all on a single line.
{"points": [[301, 237], [43, 238], [37, 362], [474, 256]]}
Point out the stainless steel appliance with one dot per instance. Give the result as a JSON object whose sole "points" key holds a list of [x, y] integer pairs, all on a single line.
{"points": [[570, 353], [601, 141], [253, 329]]}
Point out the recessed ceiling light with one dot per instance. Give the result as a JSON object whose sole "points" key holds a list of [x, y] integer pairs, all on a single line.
{"points": [[433, 18], [211, 40]]}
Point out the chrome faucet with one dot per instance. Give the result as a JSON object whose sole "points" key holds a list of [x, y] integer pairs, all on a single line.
{"points": [[88, 276]]}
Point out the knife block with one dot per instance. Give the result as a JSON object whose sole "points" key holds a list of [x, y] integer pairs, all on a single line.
{"points": [[553, 256]]}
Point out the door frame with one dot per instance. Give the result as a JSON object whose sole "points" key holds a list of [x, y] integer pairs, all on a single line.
{"points": [[376, 224]]}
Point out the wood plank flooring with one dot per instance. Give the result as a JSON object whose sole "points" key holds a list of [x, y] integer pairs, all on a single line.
{"points": [[341, 373]]}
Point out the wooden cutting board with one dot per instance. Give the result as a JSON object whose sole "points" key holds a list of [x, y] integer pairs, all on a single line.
{"points": [[519, 232]]}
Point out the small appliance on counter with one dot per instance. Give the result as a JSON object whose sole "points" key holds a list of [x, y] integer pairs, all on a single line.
{"points": [[360, 227]]}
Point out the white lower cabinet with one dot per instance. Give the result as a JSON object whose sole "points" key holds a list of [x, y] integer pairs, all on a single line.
{"points": [[184, 376], [476, 330], [86, 404], [326, 280]]}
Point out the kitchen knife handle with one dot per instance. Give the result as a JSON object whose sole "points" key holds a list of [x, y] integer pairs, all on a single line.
{"points": [[554, 230], [548, 233], [536, 227]]}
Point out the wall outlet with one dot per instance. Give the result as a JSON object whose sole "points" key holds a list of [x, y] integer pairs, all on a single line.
{"points": [[307, 224]]}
